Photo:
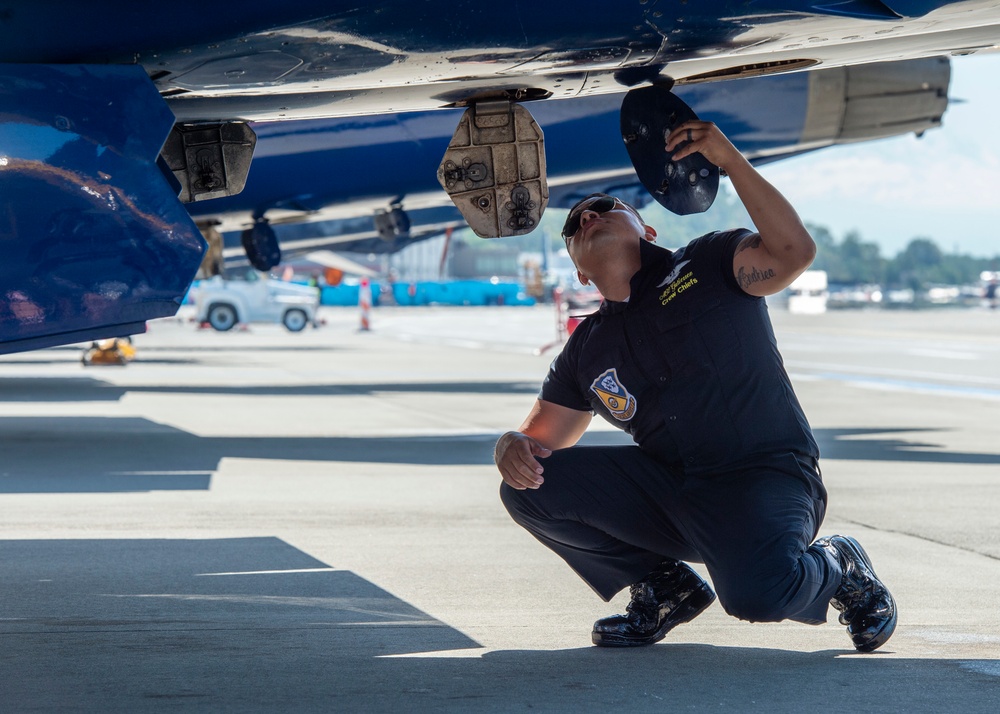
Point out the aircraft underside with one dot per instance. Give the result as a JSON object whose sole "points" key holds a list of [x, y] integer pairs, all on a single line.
{"points": [[113, 135]]}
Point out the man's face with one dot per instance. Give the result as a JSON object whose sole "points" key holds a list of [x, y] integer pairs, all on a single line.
{"points": [[594, 228]]}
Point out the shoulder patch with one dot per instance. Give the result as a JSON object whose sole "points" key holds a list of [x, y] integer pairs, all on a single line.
{"points": [[613, 395]]}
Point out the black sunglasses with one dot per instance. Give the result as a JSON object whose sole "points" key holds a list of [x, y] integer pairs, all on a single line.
{"points": [[600, 205]]}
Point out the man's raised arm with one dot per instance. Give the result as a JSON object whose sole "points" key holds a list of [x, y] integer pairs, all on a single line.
{"points": [[768, 261]]}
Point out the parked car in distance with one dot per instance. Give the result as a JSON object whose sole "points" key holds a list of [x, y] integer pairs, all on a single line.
{"points": [[246, 296]]}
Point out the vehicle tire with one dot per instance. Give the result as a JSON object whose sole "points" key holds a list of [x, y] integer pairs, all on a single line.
{"points": [[295, 320], [222, 316]]}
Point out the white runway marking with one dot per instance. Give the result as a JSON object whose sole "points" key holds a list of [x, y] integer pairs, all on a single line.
{"points": [[270, 572], [898, 385], [944, 354], [867, 370]]}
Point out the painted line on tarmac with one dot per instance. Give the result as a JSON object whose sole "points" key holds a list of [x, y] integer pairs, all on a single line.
{"points": [[901, 385], [270, 572], [947, 637], [440, 341], [894, 373], [439, 654], [943, 354]]}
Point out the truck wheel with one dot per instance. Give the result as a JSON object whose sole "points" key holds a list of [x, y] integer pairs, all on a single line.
{"points": [[222, 317], [295, 320]]}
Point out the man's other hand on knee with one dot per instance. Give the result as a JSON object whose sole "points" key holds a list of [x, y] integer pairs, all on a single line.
{"points": [[516, 457]]}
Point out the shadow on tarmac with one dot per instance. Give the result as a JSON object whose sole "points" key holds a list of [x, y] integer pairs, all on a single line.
{"points": [[58, 389], [89, 389], [692, 677], [350, 390], [71, 353], [131, 454], [126, 623], [845, 444], [151, 625]]}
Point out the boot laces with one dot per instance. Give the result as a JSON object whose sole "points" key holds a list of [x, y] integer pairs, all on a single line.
{"points": [[643, 602], [855, 593]]}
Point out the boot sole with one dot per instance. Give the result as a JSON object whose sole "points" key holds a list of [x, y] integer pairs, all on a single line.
{"points": [[693, 605], [883, 635]]}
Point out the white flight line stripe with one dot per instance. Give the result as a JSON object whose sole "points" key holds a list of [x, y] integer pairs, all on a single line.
{"points": [[271, 572], [841, 368]]}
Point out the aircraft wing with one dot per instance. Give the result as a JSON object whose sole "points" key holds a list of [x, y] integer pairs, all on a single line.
{"points": [[326, 182], [325, 58], [329, 259]]}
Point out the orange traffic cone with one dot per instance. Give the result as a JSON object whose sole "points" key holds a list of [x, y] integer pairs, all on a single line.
{"points": [[365, 303]]}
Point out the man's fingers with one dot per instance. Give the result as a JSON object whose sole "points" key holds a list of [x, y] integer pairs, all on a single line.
{"points": [[702, 137], [525, 453], [689, 132], [681, 153], [521, 470], [539, 450], [517, 464], [521, 479], [530, 470]]}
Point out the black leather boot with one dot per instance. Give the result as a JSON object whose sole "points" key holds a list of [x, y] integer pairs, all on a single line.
{"points": [[865, 604], [670, 595]]}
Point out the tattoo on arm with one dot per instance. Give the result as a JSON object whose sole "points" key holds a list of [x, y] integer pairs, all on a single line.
{"points": [[746, 279], [750, 242]]}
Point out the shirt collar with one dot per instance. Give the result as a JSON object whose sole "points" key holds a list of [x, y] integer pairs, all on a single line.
{"points": [[651, 257]]}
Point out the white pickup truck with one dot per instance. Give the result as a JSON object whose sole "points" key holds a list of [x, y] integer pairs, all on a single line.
{"points": [[250, 296]]}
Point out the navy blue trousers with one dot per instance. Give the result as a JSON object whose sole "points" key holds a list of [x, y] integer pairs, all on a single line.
{"points": [[614, 513]]}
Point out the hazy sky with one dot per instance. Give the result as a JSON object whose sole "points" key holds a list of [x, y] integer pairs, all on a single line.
{"points": [[944, 186]]}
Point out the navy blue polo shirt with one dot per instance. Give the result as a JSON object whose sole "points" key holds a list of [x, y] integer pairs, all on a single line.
{"points": [[688, 366]]}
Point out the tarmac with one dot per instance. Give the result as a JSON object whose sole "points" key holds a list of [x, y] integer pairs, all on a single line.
{"points": [[261, 521]]}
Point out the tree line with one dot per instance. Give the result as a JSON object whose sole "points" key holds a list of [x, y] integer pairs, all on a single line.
{"points": [[921, 263]]}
